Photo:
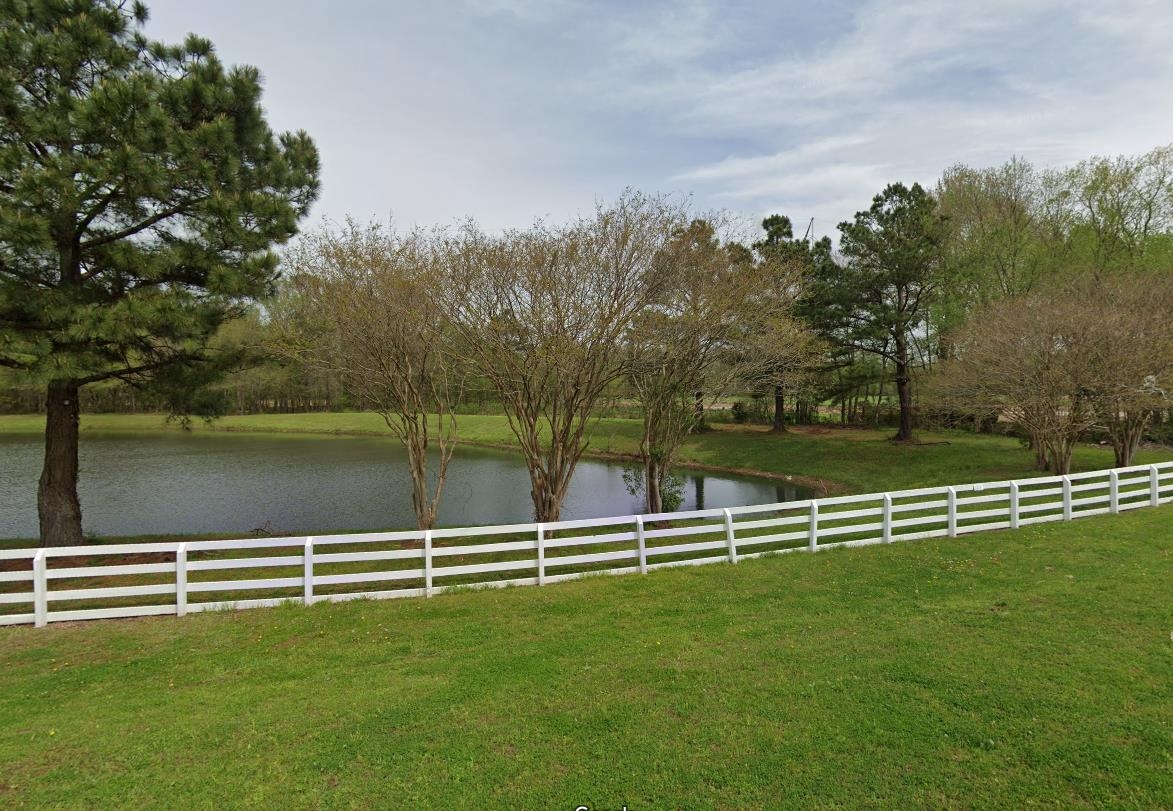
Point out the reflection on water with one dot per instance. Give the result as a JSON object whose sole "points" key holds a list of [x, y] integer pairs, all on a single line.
{"points": [[237, 483]]}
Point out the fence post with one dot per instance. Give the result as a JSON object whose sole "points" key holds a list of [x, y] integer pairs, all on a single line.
{"points": [[428, 590], [1014, 511], [886, 519], [642, 544], [40, 591], [814, 528], [541, 554], [1113, 491], [181, 580], [1154, 485], [1066, 498], [308, 574], [729, 536], [951, 500]]}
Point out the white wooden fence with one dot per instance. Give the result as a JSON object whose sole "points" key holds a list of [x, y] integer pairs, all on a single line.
{"points": [[131, 580]]}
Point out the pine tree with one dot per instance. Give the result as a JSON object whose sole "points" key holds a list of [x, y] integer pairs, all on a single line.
{"points": [[877, 301], [787, 253], [141, 193]]}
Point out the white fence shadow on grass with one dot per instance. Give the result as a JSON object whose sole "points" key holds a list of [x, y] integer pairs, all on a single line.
{"points": [[134, 580]]}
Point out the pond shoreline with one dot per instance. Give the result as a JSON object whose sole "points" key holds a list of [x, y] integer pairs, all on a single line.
{"points": [[826, 459], [233, 481], [822, 486]]}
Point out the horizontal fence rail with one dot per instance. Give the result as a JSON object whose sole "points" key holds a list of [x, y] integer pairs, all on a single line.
{"points": [[40, 586]]}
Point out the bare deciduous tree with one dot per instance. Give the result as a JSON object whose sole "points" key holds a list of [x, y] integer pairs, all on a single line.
{"points": [[541, 314], [721, 318], [361, 302], [1062, 361], [1134, 314]]}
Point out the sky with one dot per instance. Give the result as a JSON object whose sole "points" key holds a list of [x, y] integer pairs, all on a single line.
{"points": [[511, 110]]}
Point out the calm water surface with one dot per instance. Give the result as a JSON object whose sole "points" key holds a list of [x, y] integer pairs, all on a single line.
{"points": [[237, 483]]}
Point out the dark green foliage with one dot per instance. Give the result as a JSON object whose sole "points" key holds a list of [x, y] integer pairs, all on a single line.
{"points": [[740, 412], [141, 189], [890, 274], [878, 299], [141, 192], [796, 260], [781, 245]]}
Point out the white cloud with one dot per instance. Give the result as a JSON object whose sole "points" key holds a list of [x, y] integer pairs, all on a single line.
{"points": [[512, 109], [916, 86]]}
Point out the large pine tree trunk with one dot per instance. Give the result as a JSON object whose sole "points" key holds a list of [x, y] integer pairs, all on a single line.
{"points": [[779, 411], [903, 389], [57, 504]]}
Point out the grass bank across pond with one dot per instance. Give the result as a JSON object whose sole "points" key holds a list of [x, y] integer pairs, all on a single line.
{"points": [[1001, 670], [837, 460]]}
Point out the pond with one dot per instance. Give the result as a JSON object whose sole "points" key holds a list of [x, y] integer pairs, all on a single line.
{"points": [[201, 482]]}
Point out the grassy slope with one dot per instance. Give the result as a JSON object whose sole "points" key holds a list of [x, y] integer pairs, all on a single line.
{"points": [[849, 460], [997, 671]]}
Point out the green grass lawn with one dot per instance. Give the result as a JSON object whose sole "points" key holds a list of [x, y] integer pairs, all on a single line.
{"points": [[835, 460], [1001, 670]]}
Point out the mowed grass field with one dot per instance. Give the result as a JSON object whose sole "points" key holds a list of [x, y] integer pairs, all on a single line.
{"points": [[1001, 670], [833, 460]]}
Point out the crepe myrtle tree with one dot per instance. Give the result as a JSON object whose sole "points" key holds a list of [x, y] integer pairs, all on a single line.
{"points": [[141, 192], [541, 313], [718, 321], [1134, 366], [358, 303], [1028, 359]]}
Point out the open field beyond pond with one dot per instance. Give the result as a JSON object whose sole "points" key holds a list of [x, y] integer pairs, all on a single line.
{"points": [[994, 671]]}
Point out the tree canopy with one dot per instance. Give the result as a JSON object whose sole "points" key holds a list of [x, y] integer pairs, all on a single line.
{"points": [[141, 192], [877, 301]]}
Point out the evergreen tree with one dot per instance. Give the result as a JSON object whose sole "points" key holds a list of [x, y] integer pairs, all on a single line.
{"points": [[795, 259], [878, 299], [141, 192]]}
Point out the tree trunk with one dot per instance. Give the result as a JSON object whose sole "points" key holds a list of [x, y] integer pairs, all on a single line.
{"points": [[1123, 457], [57, 505], [653, 496], [546, 496], [421, 501], [1061, 458], [779, 411], [802, 412], [1040, 449], [903, 389], [1126, 432]]}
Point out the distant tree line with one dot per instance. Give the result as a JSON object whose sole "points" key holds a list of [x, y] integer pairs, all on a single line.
{"points": [[886, 304]]}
